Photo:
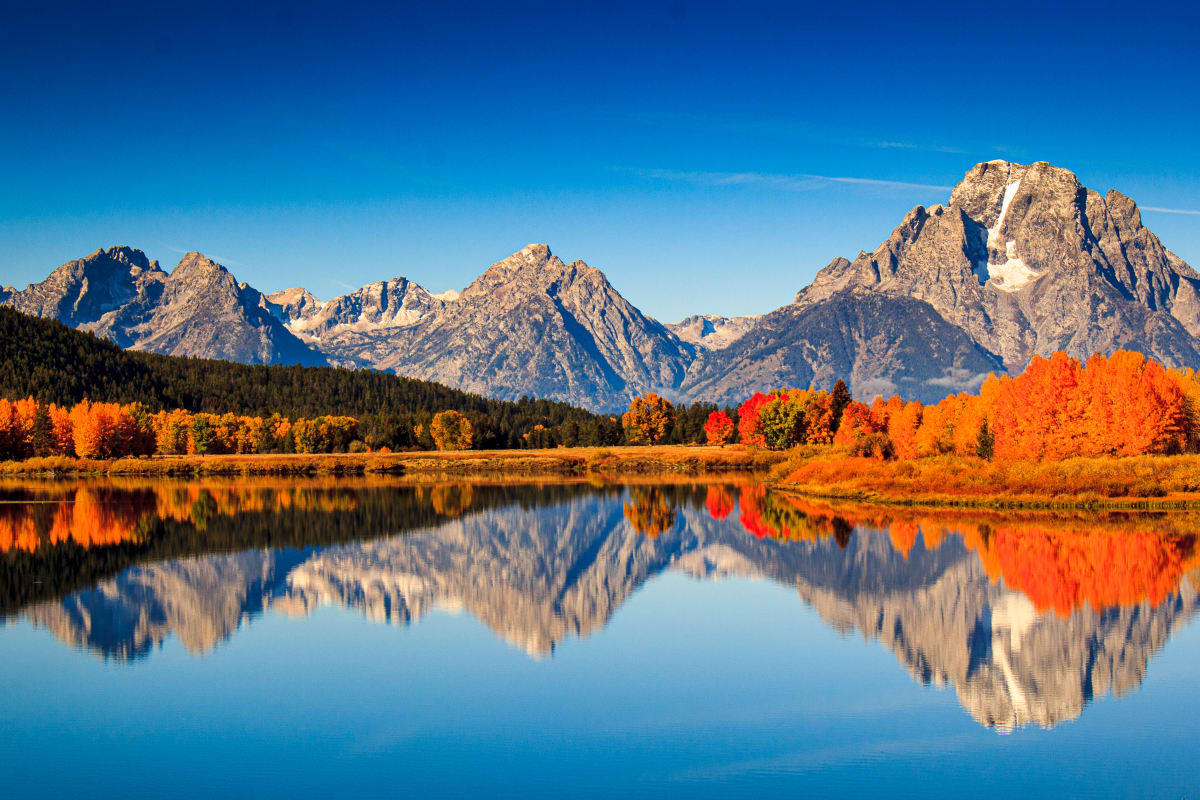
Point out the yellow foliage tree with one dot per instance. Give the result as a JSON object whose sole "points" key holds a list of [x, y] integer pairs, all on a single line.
{"points": [[451, 431]]}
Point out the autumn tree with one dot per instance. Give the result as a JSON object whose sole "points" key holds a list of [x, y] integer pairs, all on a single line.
{"points": [[648, 420], [781, 421], [13, 443], [450, 431], [749, 432], [719, 429], [862, 432], [64, 436]]}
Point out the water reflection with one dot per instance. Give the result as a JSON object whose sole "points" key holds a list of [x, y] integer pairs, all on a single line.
{"points": [[1027, 617]]}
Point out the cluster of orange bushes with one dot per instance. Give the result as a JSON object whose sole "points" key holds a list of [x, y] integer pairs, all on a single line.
{"points": [[112, 430], [1118, 405], [1060, 565]]}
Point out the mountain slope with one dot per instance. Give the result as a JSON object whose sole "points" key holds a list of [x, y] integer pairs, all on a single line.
{"points": [[54, 363], [878, 344], [205, 313]]}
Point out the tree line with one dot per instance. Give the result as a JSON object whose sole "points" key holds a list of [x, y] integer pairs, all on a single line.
{"points": [[1119, 405]]}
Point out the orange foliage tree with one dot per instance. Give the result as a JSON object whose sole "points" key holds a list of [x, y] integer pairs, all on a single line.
{"points": [[648, 420]]}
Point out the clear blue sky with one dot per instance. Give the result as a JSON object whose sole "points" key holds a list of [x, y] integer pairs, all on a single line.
{"points": [[685, 149]]}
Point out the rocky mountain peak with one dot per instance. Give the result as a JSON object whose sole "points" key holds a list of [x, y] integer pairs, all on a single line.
{"points": [[82, 291], [394, 303], [123, 254], [712, 331], [1027, 260], [194, 265], [292, 304], [532, 264]]}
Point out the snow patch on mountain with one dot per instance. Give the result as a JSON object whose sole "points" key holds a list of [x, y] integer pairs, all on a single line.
{"points": [[1012, 274], [712, 331]]}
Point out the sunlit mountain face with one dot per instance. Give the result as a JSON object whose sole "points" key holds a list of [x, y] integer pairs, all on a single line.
{"points": [[1027, 617]]}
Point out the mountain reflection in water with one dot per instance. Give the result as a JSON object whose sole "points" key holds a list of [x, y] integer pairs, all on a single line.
{"points": [[1028, 617]]}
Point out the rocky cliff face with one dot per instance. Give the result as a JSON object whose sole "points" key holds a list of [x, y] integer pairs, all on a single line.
{"points": [[376, 307], [291, 305], [204, 312]]}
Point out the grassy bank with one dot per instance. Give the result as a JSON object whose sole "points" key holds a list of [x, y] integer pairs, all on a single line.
{"points": [[673, 459], [1137, 482]]}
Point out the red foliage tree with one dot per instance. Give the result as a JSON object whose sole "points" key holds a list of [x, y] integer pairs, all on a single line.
{"points": [[719, 428]]}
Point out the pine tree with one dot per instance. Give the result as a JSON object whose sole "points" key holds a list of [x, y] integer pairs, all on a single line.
{"points": [[42, 439], [985, 445], [839, 398]]}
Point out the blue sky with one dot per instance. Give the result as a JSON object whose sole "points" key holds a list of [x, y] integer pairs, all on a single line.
{"points": [[693, 152]]}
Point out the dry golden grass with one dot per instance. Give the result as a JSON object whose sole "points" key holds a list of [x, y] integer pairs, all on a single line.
{"points": [[952, 480], [666, 459]]}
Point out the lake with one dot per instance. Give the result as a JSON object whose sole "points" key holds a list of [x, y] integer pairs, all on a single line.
{"points": [[376, 637]]}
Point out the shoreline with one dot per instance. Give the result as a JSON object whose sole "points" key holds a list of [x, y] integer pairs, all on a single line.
{"points": [[1144, 483]]}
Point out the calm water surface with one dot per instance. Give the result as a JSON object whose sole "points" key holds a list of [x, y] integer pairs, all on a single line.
{"points": [[283, 637]]}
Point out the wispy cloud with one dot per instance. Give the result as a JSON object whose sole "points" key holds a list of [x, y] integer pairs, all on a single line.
{"points": [[799, 182], [343, 285], [933, 148], [1161, 210], [791, 129], [228, 262]]}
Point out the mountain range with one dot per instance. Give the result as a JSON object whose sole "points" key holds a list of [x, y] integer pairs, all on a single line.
{"points": [[1022, 260]]}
